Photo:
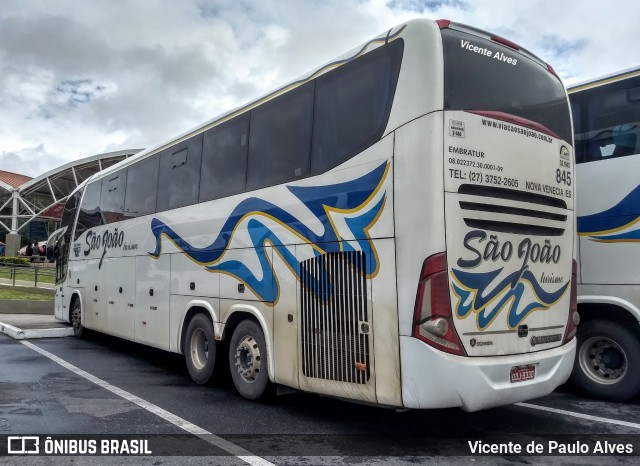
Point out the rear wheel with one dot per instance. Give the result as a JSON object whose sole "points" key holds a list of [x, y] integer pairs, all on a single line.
{"points": [[200, 349], [607, 361], [248, 360], [76, 319]]}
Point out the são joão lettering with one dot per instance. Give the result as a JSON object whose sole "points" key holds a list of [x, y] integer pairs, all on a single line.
{"points": [[106, 240], [494, 250]]}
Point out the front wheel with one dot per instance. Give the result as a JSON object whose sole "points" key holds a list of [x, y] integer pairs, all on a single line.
{"points": [[200, 349], [607, 361], [248, 360], [76, 319]]}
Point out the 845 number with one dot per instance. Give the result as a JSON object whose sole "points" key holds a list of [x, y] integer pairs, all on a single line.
{"points": [[563, 176]]}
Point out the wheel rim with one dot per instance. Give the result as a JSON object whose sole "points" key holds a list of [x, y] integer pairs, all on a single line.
{"points": [[199, 348], [603, 360], [248, 359], [76, 318]]}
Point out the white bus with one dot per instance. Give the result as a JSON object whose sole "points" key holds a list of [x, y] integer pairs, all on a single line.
{"points": [[396, 228], [606, 118]]}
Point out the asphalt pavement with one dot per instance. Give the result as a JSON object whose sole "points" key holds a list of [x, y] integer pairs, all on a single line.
{"points": [[104, 388]]}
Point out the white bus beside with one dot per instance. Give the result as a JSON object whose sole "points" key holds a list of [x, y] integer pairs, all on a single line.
{"points": [[396, 228], [606, 117]]}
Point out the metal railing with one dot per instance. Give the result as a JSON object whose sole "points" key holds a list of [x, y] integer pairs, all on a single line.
{"points": [[37, 275]]}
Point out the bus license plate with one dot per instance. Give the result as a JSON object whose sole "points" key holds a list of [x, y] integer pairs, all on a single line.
{"points": [[522, 373]]}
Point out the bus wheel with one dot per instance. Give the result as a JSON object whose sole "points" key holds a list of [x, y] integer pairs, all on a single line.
{"points": [[76, 319], [607, 361], [200, 349], [248, 360]]}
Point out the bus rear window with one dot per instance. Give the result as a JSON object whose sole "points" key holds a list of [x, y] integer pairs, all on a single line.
{"points": [[484, 75]]}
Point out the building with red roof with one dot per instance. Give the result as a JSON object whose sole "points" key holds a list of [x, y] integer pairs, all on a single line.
{"points": [[24, 199]]}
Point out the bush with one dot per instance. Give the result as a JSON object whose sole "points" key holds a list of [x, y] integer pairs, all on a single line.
{"points": [[14, 261]]}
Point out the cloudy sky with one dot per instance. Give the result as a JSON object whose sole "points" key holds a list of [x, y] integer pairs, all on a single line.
{"points": [[79, 78]]}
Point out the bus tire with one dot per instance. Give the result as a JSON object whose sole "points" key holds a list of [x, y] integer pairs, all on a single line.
{"points": [[76, 319], [248, 361], [607, 363], [200, 349]]}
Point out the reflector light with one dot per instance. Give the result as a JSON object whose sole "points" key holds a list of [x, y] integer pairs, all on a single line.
{"points": [[443, 23], [437, 327]]}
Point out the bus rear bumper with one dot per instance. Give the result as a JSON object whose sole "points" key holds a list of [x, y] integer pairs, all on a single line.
{"points": [[434, 379]]}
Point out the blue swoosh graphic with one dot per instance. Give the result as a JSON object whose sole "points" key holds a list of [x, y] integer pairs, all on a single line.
{"points": [[474, 297], [619, 217], [351, 197]]}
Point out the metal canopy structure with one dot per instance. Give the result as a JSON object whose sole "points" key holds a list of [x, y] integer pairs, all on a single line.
{"points": [[23, 200]]}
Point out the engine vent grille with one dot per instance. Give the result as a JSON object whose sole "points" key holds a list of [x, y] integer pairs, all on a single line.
{"points": [[334, 326], [529, 213]]}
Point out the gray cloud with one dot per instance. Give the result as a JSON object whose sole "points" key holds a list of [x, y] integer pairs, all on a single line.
{"points": [[81, 78]]}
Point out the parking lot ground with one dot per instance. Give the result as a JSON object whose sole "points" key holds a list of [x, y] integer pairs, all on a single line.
{"points": [[40, 396]]}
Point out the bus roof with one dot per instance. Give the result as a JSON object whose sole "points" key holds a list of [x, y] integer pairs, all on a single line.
{"points": [[612, 77], [346, 57]]}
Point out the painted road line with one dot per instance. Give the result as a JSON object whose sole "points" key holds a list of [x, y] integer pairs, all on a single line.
{"points": [[185, 425], [588, 417]]}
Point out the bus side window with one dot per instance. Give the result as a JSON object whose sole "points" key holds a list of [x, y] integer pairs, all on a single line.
{"points": [[179, 179], [112, 197], [90, 215], [224, 159], [142, 187], [353, 105], [611, 121], [280, 139]]}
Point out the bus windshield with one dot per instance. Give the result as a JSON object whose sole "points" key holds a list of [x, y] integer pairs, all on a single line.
{"points": [[481, 74]]}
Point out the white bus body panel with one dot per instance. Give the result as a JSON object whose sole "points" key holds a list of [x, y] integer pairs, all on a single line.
{"points": [[152, 301], [417, 236], [480, 382], [502, 277], [420, 86], [625, 297], [606, 257], [121, 292]]}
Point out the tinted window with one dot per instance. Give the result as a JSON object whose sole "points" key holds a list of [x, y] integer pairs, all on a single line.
{"points": [[179, 180], [224, 159], [61, 249], [280, 139], [90, 216], [476, 81], [112, 196], [142, 186], [607, 120], [352, 106], [70, 210]]}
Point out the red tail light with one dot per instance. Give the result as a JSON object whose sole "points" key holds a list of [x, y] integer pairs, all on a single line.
{"points": [[503, 41], [432, 319], [552, 71], [443, 23], [574, 317]]}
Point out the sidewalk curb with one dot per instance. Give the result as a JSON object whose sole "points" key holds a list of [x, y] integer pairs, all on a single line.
{"points": [[26, 334]]}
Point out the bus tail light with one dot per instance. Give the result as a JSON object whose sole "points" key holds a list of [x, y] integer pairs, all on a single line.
{"points": [[503, 41], [443, 23], [432, 319], [574, 317]]}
